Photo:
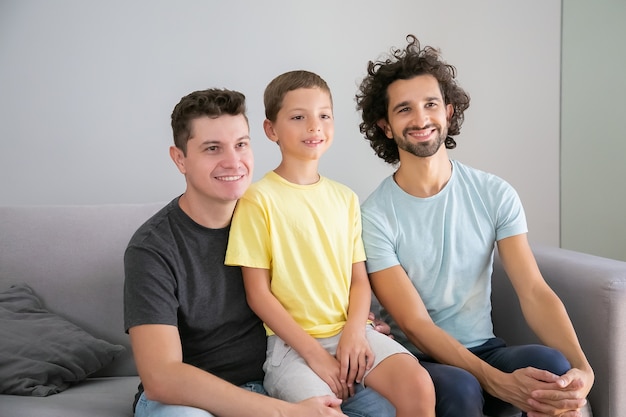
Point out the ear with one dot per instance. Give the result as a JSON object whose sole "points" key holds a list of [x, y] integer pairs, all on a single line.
{"points": [[384, 126], [449, 111], [270, 132], [178, 157]]}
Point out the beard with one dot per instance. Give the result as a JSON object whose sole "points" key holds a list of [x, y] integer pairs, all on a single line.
{"points": [[421, 149]]}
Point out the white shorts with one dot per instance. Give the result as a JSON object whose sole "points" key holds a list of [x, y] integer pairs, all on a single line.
{"points": [[288, 377]]}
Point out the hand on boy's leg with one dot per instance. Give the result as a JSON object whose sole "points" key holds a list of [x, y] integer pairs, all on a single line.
{"points": [[380, 325]]}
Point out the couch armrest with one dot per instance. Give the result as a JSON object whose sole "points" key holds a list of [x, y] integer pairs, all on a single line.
{"points": [[593, 290]]}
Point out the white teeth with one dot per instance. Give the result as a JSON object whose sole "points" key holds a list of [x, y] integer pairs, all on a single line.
{"points": [[231, 178]]}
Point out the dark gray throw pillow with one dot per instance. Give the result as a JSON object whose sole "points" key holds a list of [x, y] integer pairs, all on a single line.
{"points": [[40, 352]]}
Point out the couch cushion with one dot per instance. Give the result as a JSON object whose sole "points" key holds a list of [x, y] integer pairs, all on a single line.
{"points": [[42, 353], [72, 256], [94, 397]]}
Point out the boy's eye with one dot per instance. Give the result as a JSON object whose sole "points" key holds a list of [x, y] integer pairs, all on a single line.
{"points": [[298, 117]]}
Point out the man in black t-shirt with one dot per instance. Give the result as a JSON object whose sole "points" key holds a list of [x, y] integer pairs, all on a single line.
{"points": [[198, 347]]}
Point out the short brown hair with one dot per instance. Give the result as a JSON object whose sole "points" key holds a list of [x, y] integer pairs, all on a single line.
{"points": [[212, 103], [277, 89]]}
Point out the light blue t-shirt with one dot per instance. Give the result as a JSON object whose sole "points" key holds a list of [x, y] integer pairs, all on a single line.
{"points": [[445, 243]]}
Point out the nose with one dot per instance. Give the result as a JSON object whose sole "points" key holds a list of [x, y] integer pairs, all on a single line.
{"points": [[230, 159], [314, 125], [421, 118]]}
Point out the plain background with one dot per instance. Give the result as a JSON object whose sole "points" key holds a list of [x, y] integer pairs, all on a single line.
{"points": [[87, 89], [593, 140]]}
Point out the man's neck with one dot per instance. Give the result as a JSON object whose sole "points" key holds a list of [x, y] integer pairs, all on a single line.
{"points": [[423, 177], [209, 213]]}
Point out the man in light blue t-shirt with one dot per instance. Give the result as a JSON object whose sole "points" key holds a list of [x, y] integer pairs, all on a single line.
{"points": [[430, 231]]}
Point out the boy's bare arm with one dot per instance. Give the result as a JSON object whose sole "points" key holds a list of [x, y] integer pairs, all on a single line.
{"points": [[271, 311], [353, 352]]}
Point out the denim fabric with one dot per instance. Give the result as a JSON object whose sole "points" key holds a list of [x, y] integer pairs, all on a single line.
{"points": [[148, 408], [459, 393], [365, 403]]}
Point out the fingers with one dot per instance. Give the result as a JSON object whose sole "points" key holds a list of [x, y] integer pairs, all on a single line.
{"points": [[344, 366], [352, 369], [339, 388], [541, 375], [571, 413], [570, 380], [330, 401], [365, 363], [551, 403]]}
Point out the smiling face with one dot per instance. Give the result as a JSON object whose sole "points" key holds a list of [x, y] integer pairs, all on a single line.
{"points": [[417, 115], [218, 162], [304, 126]]}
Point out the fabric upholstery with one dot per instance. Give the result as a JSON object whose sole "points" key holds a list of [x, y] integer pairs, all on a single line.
{"points": [[72, 257], [42, 353]]}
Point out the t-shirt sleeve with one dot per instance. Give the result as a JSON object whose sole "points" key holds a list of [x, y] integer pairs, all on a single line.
{"points": [[149, 289], [378, 243], [357, 241], [510, 216], [249, 240]]}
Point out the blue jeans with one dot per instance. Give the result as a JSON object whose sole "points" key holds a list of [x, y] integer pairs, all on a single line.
{"points": [[365, 403], [459, 393]]}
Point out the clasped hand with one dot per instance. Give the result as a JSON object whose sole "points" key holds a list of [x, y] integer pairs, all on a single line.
{"points": [[542, 393]]}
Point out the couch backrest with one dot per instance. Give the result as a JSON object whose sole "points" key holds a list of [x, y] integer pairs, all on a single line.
{"points": [[72, 256]]}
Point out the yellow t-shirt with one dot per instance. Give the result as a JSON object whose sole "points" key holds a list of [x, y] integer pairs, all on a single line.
{"points": [[308, 236]]}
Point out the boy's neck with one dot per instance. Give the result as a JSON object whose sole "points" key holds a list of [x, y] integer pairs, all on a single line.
{"points": [[299, 172]]}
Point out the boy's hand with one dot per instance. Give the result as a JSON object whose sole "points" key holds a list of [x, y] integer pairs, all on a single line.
{"points": [[355, 356], [328, 368]]}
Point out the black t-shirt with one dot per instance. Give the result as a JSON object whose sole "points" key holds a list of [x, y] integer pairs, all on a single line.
{"points": [[175, 275]]}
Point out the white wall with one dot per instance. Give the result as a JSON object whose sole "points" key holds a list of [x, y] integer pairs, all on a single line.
{"points": [[87, 88], [593, 208]]}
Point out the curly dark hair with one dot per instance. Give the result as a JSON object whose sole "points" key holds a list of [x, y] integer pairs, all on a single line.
{"points": [[372, 99], [213, 102]]}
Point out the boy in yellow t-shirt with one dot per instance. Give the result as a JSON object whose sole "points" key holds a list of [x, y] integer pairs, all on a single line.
{"points": [[297, 236]]}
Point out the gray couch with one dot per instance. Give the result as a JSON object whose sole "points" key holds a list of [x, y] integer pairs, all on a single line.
{"points": [[72, 258]]}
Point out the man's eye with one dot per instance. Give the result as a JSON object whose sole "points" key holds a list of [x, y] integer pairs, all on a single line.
{"points": [[212, 148]]}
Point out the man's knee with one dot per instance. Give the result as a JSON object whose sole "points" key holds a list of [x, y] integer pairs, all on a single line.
{"points": [[461, 397], [540, 357], [552, 360], [458, 392]]}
